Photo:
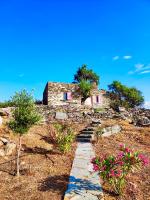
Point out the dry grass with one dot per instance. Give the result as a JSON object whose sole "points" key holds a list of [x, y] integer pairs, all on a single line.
{"points": [[138, 187], [44, 169]]}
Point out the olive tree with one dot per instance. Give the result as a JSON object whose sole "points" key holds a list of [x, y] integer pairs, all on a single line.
{"points": [[85, 78], [24, 117]]}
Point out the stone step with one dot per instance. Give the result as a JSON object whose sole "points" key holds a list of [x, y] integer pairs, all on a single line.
{"points": [[90, 128], [87, 132], [84, 139], [84, 136], [96, 122]]}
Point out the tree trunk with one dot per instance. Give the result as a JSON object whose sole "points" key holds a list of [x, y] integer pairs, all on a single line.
{"points": [[18, 157], [83, 99]]}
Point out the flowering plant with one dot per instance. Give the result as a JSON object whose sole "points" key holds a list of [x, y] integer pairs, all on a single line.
{"points": [[114, 169]]}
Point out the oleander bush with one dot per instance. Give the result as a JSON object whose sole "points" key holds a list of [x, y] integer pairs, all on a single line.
{"points": [[114, 169]]}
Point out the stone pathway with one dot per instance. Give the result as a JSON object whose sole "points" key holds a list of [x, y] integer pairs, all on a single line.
{"points": [[83, 184]]}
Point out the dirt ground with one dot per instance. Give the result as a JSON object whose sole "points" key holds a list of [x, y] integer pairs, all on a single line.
{"points": [[138, 183], [44, 169]]}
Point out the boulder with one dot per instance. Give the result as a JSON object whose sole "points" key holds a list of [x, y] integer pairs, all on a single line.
{"points": [[96, 121], [61, 116], [121, 109], [115, 129], [143, 121], [5, 111], [10, 148], [110, 130]]}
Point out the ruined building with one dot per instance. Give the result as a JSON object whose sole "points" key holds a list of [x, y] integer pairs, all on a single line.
{"points": [[65, 93]]}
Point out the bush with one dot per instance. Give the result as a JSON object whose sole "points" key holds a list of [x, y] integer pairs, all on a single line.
{"points": [[64, 137], [99, 110], [6, 104], [122, 95], [114, 169]]}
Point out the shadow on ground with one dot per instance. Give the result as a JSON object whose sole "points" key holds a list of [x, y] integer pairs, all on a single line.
{"points": [[39, 150], [57, 184]]}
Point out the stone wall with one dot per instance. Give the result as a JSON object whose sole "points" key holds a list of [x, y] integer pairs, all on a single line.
{"points": [[79, 113], [54, 95]]}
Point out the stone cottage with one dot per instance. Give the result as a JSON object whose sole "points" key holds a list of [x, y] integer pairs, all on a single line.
{"points": [[65, 93]]}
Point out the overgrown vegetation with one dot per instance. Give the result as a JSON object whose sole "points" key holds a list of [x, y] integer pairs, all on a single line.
{"points": [[24, 117], [85, 79], [121, 95], [114, 169], [62, 135]]}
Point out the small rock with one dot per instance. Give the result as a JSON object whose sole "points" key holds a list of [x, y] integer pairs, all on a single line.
{"points": [[10, 148], [61, 116], [4, 140], [2, 152], [1, 143]]}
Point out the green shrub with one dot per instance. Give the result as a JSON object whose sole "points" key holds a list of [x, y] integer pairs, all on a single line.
{"points": [[121, 95], [99, 110], [64, 137], [6, 104]]}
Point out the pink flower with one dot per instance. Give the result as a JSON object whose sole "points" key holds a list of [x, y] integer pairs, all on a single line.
{"points": [[103, 168], [95, 167], [143, 159], [127, 150], [121, 146], [112, 173], [93, 160], [118, 173], [120, 155], [120, 163], [115, 173]]}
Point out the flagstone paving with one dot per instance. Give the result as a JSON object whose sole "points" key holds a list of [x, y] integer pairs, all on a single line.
{"points": [[84, 184]]}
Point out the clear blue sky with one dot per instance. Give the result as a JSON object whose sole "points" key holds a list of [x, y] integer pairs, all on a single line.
{"points": [[45, 40]]}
